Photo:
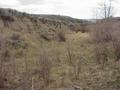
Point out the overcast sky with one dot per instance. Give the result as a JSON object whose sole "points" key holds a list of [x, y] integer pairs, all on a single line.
{"points": [[82, 9]]}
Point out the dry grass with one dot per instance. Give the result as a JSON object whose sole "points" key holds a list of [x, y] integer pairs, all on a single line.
{"points": [[83, 71], [59, 65]]}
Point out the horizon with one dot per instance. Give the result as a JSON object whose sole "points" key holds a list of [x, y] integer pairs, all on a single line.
{"points": [[80, 9]]}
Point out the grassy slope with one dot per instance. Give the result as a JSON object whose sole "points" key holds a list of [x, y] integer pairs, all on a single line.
{"points": [[91, 77]]}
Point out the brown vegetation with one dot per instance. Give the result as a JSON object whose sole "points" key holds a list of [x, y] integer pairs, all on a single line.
{"points": [[29, 62]]}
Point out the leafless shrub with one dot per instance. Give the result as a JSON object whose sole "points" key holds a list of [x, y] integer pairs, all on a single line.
{"points": [[61, 35], [7, 18], [83, 29], [105, 33], [116, 42], [8, 67], [26, 78], [44, 68], [44, 21], [78, 66], [69, 55], [79, 28], [6, 15], [34, 20], [17, 41], [45, 37], [101, 54], [75, 62], [101, 36], [2, 76], [4, 58]]}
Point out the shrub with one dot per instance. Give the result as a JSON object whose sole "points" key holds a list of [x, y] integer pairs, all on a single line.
{"points": [[45, 37], [44, 67], [16, 41], [61, 35], [4, 58], [101, 35], [116, 43], [7, 18], [75, 62]]}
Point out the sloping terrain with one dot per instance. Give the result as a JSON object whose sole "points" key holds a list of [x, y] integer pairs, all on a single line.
{"points": [[41, 52], [65, 19], [21, 22], [47, 26]]}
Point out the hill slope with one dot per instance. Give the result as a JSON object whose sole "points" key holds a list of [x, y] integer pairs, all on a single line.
{"points": [[65, 19], [44, 53], [49, 25]]}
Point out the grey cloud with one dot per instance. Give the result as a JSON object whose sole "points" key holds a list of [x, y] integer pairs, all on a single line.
{"points": [[27, 2]]}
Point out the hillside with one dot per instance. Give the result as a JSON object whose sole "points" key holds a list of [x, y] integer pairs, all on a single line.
{"points": [[65, 19], [47, 25], [51, 52]]}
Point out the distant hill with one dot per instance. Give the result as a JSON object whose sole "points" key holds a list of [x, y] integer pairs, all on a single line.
{"points": [[52, 52], [61, 18], [47, 26]]}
